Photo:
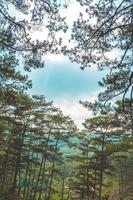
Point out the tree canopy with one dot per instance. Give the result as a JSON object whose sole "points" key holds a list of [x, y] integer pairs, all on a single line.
{"points": [[103, 36], [43, 156]]}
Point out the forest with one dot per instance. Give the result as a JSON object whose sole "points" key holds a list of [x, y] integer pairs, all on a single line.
{"points": [[43, 155]]}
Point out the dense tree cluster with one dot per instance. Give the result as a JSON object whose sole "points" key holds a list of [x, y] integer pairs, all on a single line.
{"points": [[102, 166], [42, 154], [31, 129], [31, 133]]}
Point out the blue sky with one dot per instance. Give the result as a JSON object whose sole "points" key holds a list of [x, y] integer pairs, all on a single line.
{"points": [[61, 77], [65, 83]]}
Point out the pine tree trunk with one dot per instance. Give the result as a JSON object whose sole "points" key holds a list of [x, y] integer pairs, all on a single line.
{"points": [[33, 175], [50, 184], [68, 194], [26, 175], [13, 188], [19, 183], [43, 175], [88, 177], [94, 192], [62, 191], [28, 189], [51, 176], [38, 177], [4, 172], [101, 170]]}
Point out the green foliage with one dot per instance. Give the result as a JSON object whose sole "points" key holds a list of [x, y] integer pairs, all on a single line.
{"points": [[19, 19], [34, 133]]}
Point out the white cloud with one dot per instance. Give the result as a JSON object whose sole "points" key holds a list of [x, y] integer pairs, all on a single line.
{"points": [[60, 58], [75, 110], [72, 12], [113, 54]]}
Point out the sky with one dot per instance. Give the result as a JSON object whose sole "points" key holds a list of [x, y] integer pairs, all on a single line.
{"points": [[64, 82]]}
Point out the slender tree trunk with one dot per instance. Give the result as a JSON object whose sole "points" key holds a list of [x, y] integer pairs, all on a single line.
{"points": [[122, 183], [26, 175], [11, 175], [62, 191], [52, 173], [46, 191], [4, 171], [101, 170], [13, 188], [88, 177], [38, 177], [43, 175], [131, 108], [68, 194], [18, 159], [95, 177], [31, 181], [28, 189], [119, 184], [101, 181], [19, 184], [50, 184]]}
